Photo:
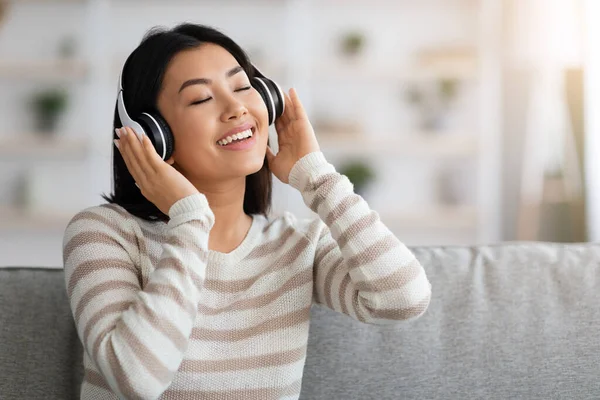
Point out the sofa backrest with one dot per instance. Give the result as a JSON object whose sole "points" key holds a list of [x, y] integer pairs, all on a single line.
{"points": [[514, 321], [40, 353], [518, 321]]}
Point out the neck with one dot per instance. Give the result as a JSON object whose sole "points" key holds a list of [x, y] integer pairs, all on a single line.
{"points": [[226, 200]]}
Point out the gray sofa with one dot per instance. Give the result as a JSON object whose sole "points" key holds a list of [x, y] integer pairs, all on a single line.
{"points": [[513, 321]]}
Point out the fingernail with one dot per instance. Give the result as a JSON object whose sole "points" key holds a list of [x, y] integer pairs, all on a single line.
{"points": [[116, 142], [117, 132], [123, 131]]}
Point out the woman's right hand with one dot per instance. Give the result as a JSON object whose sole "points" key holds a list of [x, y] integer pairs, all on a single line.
{"points": [[158, 181]]}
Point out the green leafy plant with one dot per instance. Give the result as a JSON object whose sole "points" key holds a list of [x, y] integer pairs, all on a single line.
{"points": [[352, 43], [447, 89], [433, 101], [47, 106]]}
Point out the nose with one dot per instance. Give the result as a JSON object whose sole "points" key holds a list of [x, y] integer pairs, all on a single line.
{"points": [[234, 109]]}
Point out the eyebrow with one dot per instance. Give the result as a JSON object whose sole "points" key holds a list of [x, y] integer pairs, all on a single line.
{"points": [[205, 81]]}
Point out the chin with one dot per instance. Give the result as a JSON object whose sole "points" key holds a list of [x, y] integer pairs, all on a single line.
{"points": [[250, 165]]}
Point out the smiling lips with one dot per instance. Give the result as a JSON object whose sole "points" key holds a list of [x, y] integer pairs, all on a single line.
{"points": [[238, 141], [236, 137]]}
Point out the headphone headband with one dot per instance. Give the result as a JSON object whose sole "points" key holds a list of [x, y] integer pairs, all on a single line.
{"points": [[126, 120]]}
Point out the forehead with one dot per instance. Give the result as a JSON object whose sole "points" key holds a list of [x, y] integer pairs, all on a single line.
{"points": [[208, 60]]}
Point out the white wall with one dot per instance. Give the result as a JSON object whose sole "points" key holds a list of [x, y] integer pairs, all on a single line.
{"points": [[297, 32]]}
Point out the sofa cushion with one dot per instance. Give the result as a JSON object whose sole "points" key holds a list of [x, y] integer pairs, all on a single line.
{"points": [[40, 353], [516, 321]]}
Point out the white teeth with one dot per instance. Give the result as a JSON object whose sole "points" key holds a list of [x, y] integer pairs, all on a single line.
{"points": [[236, 136]]}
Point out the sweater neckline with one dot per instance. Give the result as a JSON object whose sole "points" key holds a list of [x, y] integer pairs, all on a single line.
{"points": [[234, 256], [243, 249]]}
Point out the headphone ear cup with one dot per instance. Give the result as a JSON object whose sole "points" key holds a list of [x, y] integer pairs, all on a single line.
{"points": [[272, 96], [168, 135], [261, 88], [159, 133]]}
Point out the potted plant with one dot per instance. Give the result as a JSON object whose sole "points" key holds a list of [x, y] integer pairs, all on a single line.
{"points": [[359, 173], [434, 105], [47, 107], [352, 43], [447, 91]]}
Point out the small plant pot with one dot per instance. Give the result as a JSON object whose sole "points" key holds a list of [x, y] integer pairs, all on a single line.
{"points": [[47, 107], [46, 123]]}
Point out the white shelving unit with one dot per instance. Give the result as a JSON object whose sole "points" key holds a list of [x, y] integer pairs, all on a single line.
{"points": [[294, 56], [32, 145], [338, 70], [21, 220], [43, 70], [414, 145], [477, 145]]}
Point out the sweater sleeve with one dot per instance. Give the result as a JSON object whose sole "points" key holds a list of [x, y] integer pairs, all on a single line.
{"points": [[136, 337], [361, 269]]}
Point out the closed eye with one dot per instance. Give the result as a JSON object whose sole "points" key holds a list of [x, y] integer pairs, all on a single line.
{"points": [[200, 101], [207, 99]]}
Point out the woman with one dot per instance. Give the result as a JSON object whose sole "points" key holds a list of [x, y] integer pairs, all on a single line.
{"points": [[182, 285]]}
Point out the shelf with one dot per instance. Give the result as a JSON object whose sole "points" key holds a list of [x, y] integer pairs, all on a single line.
{"points": [[43, 2], [413, 145], [14, 218], [339, 70], [433, 217], [28, 145], [391, 4], [63, 70]]}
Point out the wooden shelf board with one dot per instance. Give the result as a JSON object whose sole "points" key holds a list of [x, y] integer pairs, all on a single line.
{"points": [[35, 145], [43, 69], [433, 217], [15, 218], [420, 144]]}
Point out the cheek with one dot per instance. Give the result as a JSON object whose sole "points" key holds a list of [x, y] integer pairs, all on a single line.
{"points": [[193, 137], [258, 109]]}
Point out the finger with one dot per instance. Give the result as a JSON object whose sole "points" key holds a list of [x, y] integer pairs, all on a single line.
{"points": [[152, 158], [283, 118], [280, 125], [138, 150], [125, 148], [298, 107], [120, 145], [289, 110]]}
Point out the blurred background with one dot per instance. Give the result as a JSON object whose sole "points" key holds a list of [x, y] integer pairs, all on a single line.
{"points": [[459, 121]]}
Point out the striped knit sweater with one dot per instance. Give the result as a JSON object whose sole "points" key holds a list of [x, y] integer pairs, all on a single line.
{"points": [[162, 316]]}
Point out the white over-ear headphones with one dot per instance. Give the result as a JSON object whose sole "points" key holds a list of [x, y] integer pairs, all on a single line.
{"points": [[156, 128]]}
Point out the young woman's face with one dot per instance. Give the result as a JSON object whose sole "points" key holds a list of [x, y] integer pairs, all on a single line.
{"points": [[204, 96]]}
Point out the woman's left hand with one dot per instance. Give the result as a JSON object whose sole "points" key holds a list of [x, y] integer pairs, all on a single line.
{"points": [[295, 136]]}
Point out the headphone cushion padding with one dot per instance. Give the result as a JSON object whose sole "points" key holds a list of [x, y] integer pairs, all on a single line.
{"points": [[156, 124], [259, 85], [169, 139], [278, 98]]}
